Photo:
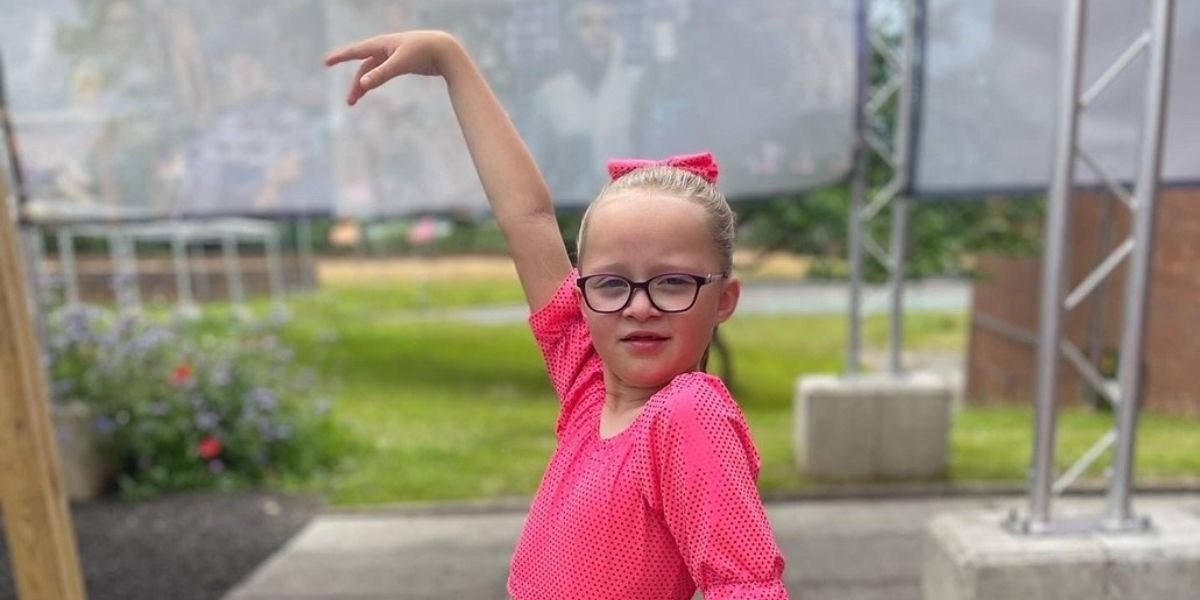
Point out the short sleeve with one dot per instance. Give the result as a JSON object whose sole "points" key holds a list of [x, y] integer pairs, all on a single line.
{"points": [[704, 467], [566, 344]]}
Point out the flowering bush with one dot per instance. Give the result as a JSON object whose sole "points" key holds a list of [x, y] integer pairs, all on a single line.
{"points": [[183, 405]]}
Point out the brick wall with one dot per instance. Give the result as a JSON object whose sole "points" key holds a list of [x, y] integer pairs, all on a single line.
{"points": [[1001, 359]]}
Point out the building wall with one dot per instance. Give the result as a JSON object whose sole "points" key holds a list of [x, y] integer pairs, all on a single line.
{"points": [[1001, 366]]}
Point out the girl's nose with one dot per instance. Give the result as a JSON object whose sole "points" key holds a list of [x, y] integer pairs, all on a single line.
{"points": [[640, 307]]}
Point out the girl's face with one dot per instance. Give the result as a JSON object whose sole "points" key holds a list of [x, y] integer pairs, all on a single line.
{"points": [[639, 235]]}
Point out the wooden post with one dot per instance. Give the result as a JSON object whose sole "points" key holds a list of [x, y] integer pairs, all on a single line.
{"points": [[37, 522]]}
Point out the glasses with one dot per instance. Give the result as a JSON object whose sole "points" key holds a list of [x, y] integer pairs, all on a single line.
{"points": [[669, 292]]}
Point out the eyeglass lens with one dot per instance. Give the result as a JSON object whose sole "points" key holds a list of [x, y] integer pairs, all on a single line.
{"points": [[670, 292]]}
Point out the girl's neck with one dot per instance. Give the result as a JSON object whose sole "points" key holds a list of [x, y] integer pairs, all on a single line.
{"points": [[620, 397]]}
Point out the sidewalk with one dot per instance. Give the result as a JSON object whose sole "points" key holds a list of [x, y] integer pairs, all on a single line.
{"points": [[836, 550]]}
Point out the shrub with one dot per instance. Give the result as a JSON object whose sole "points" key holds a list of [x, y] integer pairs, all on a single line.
{"points": [[182, 405]]}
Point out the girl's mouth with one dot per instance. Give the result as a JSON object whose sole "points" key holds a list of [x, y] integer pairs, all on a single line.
{"points": [[644, 341]]}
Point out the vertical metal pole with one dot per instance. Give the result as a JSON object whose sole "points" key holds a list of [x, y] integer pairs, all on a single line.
{"points": [[902, 204], [130, 291], [114, 272], [183, 274], [66, 264], [198, 258], [1054, 266], [35, 265], [899, 242], [1137, 279], [34, 258], [125, 291], [233, 272], [304, 239], [274, 267], [854, 334], [858, 191]]}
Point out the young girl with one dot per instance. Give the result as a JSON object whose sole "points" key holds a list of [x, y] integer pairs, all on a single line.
{"points": [[651, 490]]}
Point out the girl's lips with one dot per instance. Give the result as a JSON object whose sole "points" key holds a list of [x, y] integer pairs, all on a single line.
{"points": [[637, 336], [644, 342]]}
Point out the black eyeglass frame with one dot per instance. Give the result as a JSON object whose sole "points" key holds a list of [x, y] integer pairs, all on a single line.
{"points": [[700, 280]]}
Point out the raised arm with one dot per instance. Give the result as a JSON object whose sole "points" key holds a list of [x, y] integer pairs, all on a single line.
{"points": [[515, 188]]}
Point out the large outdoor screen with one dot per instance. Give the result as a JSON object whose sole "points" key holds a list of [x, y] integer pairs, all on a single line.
{"points": [[989, 102], [151, 108]]}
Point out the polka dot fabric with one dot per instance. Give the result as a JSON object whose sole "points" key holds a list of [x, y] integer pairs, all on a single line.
{"points": [[665, 506]]}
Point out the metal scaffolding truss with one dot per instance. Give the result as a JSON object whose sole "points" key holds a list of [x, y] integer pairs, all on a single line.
{"points": [[1155, 43], [887, 137]]}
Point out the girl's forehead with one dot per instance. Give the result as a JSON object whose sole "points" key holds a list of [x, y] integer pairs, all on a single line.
{"points": [[648, 213], [664, 231], [635, 203]]}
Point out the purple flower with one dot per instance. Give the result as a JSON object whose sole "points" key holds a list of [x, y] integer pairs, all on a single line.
{"points": [[263, 399], [149, 340], [273, 431], [77, 322], [103, 424], [207, 420], [216, 466], [159, 409], [124, 326]]}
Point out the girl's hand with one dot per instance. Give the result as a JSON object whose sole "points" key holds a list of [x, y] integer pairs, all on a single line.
{"points": [[511, 180], [386, 56]]}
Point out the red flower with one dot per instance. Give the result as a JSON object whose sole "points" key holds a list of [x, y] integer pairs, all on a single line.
{"points": [[209, 448], [181, 375]]}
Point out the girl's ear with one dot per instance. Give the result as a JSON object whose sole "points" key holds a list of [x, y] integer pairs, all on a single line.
{"points": [[731, 291]]}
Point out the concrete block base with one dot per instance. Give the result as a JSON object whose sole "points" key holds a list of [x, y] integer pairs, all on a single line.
{"points": [[86, 470], [972, 556], [872, 427]]}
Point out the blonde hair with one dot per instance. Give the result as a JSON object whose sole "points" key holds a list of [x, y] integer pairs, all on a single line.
{"points": [[683, 184]]}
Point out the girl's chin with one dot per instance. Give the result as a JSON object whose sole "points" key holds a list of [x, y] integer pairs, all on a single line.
{"points": [[647, 378], [645, 372]]}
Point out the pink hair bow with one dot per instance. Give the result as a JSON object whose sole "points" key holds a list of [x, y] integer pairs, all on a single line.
{"points": [[702, 165]]}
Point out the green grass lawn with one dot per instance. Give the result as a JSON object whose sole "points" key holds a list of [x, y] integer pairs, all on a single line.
{"points": [[453, 410]]}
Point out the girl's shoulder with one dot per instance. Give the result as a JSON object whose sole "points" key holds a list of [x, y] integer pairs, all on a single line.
{"points": [[694, 397], [696, 418]]}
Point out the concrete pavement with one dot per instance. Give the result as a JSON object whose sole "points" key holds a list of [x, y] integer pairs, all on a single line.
{"points": [[838, 549]]}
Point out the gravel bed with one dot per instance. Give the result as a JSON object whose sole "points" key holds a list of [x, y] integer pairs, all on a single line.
{"points": [[188, 546]]}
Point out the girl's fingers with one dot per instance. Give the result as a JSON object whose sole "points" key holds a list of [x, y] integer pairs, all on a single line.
{"points": [[383, 58], [356, 88], [395, 65], [356, 51]]}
